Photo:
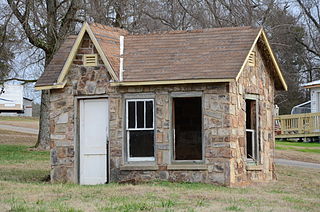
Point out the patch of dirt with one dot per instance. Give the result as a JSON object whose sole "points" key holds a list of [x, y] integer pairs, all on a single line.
{"points": [[299, 156], [16, 138], [27, 124]]}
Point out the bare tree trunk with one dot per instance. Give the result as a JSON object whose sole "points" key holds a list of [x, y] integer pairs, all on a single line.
{"points": [[44, 122]]}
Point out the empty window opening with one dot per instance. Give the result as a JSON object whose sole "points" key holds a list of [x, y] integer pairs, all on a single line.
{"points": [[252, 144], [140, 130], [187, 124]]}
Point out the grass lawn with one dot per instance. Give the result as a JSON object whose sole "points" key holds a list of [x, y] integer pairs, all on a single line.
{"points": [[23, 188], [308, 152]]}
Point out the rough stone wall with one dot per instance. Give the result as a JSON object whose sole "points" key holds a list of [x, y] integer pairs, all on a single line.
{"points": [[81, 81], [258, 81], [223, 122], [216, 130]]}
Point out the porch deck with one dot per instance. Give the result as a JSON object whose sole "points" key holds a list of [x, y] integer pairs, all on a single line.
{"points": [[297, 125]]}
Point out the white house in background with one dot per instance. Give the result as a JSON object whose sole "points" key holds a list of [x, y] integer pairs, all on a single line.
{"points": [[314, 87], [12, 102], [27, 107]]}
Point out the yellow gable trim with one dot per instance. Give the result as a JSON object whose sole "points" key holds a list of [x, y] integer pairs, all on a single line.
{"points": [[248, 55], [73, 52], [264, 37], [101, 53], [285, 86], [48, 87]]}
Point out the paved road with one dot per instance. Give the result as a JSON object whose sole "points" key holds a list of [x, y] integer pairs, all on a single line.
{"points": [[297, 163], [19, 129]]}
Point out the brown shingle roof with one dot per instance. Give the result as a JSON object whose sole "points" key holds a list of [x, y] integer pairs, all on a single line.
{"points": [[109, 41], [200, 54], [53, 70]]}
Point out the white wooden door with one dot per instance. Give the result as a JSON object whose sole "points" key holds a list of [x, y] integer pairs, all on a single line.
{"points": [[318, 102], [93, 141]]}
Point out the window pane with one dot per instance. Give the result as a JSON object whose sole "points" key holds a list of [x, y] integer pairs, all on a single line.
{"points": [[140, 114], [149, 114], [249, 145], [250, 114], [141, 143], [131, 115]]}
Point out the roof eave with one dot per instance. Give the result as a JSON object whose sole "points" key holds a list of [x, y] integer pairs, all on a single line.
{"points": [[312, 86], [169, 82], [49, 87]]}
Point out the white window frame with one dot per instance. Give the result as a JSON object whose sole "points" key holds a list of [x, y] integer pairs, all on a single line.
{"points": [[138, 129], [254, 133]]}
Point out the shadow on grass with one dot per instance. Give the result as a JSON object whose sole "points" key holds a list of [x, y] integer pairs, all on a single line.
{"points": [[13, 154], [24, 176]]}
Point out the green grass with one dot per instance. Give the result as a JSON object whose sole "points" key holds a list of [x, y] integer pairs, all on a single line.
{"points": [[22, 188], [234, 208], [317, 151], [27, 176], [13, 154], [309, 150], [298, 144], [300, 147]]}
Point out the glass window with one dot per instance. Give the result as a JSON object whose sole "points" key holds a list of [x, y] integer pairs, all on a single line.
{"points": [[252, 141], [140, 129]]}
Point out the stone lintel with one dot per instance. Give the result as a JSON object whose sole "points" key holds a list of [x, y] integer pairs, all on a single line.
{"points": [[187, 167], [254, 167], [139, 168]]}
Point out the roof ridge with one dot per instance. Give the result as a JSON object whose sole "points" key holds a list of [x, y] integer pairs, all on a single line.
{"points": [[196, 30], [109, 28]]}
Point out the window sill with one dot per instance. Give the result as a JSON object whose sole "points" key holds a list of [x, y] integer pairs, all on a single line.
{"points": [[254, 167], [187, 167], [136, 167]]}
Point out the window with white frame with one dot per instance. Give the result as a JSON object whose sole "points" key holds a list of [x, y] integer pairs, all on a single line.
{"points": [[140, 129], [252, 141]]}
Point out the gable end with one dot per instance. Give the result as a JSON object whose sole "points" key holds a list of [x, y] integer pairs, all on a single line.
{"points": [[60, 82]]}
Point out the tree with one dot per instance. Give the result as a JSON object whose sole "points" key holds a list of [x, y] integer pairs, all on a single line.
{"points": [[6, 53], [285, 35], [45, 24], [310, 17]]}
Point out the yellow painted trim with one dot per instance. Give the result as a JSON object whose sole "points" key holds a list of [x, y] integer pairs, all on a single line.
{"points": [[48, 87], [101, 53], [248, 55], [169, 82], [72, 54], [262, 33], [91, 56], [285, 86]]}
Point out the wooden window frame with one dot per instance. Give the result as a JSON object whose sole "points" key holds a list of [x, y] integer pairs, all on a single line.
{"points": [[137, 159]]}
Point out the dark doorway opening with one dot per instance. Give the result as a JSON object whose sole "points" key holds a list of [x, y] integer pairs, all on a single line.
{"points": [[187, 124]]}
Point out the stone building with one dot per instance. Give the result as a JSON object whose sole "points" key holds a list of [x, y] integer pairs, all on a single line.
{"points": [[193, 106]]}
